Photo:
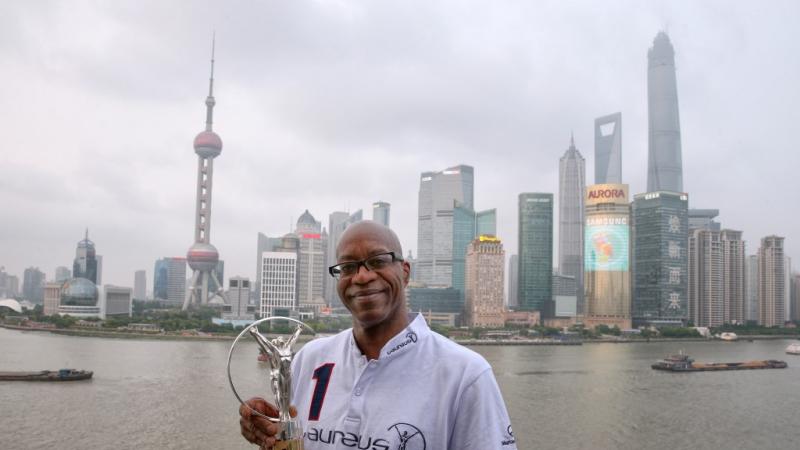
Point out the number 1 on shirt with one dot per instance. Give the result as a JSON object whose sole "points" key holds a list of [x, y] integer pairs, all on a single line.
{"points": [[323, 376]]}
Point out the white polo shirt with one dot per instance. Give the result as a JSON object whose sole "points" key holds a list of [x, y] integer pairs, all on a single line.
{"points": [[424, 392]]}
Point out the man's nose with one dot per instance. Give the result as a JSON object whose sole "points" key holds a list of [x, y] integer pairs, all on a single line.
{"points": [[363, 275]]}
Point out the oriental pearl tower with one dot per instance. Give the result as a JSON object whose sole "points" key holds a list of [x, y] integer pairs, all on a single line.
{"points": [[202, 256]]}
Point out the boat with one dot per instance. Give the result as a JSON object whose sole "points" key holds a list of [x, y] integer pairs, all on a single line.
{"points": [[47, 375], [683, 363], [729, 336], [793, 349], [263, 357]]}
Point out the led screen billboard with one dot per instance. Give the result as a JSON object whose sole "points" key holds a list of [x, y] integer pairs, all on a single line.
{"points": [[606, 247]]}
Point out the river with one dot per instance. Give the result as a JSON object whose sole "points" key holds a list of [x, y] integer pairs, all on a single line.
{"points": [[149, 394]]}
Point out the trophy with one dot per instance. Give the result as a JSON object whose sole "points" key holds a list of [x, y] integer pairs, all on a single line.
{"points": [[278, 353]]}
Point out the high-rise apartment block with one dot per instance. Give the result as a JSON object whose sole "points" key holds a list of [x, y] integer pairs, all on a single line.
{"points": [[52, 297], [439, 194], [169, 281], [608, 149], [140, 285], [571, 190], [660, 224], [706, 300], [33, 281], [771, 282], [535, 274], [733, 276], [607, 256], [278, 283], [751, 286], [485, 277], [380, 213], [664, 163]]}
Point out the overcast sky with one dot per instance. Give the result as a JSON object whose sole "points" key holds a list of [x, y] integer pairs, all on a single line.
{"points": [[331, 105]]}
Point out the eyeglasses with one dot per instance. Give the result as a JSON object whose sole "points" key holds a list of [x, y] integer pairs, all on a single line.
{"points": [[374, 262]]}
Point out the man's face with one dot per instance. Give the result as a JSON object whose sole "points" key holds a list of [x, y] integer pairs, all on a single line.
{"points": [[374, 297]]}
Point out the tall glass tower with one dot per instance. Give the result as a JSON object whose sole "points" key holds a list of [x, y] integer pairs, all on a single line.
{"points": [[439, 194], [608, 149], [535, 274], [571, 187], [664, 166]]}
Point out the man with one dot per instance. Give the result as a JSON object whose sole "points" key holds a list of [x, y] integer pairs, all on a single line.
{"points": [[389, 383]]}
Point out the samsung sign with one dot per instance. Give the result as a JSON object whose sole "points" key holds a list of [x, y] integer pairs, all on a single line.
{"points": [[607, 193]]}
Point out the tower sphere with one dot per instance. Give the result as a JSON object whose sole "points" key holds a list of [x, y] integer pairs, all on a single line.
{"points": [[208, 144], [202, 257]]}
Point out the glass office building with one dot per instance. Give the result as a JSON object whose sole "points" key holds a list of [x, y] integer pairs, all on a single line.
{"points": [[660, 258], [535, 273]]}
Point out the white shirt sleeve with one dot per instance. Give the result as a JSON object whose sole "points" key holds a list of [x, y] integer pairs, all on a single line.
{"points": [[482, 419]]}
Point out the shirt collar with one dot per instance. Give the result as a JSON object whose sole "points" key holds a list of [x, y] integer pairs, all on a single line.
{"points": [[402, 342]]}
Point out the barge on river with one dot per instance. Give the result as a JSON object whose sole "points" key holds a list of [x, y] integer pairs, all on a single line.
{"points": [[683, 363], [47, 375]]}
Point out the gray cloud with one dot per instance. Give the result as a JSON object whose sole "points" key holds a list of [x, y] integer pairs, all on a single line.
{"points": [[333, 105]]}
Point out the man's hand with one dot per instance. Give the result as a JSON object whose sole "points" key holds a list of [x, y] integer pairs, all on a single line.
{"points": [[258, 430]]}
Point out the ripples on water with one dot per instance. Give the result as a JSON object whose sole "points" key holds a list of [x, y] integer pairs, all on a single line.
{"points": [[174, 395]]}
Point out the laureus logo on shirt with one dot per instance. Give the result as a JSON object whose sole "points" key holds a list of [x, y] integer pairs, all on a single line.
{"points": [[410, 437], [510, 440], [411, 338]]}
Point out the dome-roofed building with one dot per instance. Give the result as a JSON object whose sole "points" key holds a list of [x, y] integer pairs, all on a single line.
{"points": [[79, 297], [307, 224]]}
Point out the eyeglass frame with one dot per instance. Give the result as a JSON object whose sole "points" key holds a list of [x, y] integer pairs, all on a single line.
{"points": [[363, 262]]}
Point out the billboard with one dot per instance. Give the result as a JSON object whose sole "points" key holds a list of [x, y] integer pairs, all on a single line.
{"points": [[607, 193], [606, 244]]}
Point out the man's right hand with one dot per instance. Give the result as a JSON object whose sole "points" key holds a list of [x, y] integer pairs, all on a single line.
{"points": [[256, 429]]}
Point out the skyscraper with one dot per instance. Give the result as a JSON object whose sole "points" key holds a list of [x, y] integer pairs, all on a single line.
{"points": [[608, 149], [140, 285], [169, 280], [439, 194], [607, 256], [771, 282], [660, 221], [278, 283], [513, 282], [202, 256], [85, 264], [239, 298], [338, 221], [733, 276], [485, 266], [571, 189], [704, 218], [468, 225], [33, 285], [706, 301], [751, 284], [311, 260], [62, 274], [9, 284], [264, 243], [380, 213], [535, 272], [664, 164]]}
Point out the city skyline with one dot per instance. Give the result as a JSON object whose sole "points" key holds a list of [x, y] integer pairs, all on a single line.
{"points": [[132, 154]]}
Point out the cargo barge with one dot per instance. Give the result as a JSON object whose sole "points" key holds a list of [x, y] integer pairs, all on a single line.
{"points": [[683, 363], [47, 375]]}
